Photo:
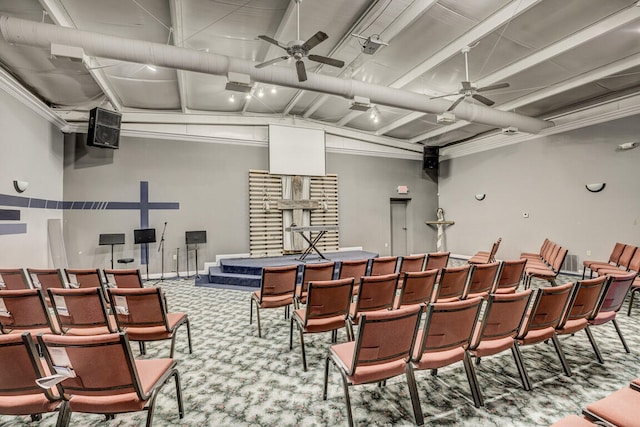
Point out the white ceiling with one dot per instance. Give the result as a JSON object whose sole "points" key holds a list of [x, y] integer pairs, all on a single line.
{"points": [[559, 57]]}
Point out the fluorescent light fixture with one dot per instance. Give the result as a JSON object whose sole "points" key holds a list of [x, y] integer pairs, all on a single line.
{"points": [[360, 103], [446, 117], [238, 82]]}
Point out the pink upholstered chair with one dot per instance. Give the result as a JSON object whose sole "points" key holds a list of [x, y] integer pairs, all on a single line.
{"points": [[613, 259], [45, 278], [544, 316], [453, 283], [13, 278], [129, 278], [25, 310], [108, 380], [503, 317], [327, 309], [510, 276], [410, 264], [419, 287], [353, 268], [377, 293], [313, 273], [82, 311], [484, 257], [622, 263], [20, 367], [582, 307], [143, 315], [483, 280], [437, 260], [445, 338], [620, 408], [383, 265], [84, 277], [613, 299], [277, 289], [380, 351]]}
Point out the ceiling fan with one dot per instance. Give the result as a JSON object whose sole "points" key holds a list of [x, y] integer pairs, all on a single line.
{"points": [[299, 49], [468, 90]]}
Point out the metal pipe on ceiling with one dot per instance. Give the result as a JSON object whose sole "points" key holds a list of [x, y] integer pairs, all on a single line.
{"points": [[20, 31]]}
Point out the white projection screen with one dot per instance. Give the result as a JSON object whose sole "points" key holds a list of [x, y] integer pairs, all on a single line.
{"points": [[296, 151]]}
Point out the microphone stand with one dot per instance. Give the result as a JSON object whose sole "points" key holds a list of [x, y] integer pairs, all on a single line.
{"points": [[161, 248]]}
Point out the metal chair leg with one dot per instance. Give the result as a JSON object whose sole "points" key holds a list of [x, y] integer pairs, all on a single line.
{"points": [[415, 398], [347, 399], [189, 335], [592, 340], [304, 356], [633, 294], [524, 377], [326, 377], [624, 343], [563, 359], [473, 381]]}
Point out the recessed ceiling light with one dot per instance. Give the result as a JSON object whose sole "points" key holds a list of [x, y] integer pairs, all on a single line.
{"points": [[151, 67]]}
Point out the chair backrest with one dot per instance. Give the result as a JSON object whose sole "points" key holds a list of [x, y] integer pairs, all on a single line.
{"points": [[437, 260], [24, 309], [503, 316], [278, 281], [448, 325], [411, 263], [453, 281], [13, 278], [553, 254], [418, 287], [138, 307], [511, 273], [616, 252], [376, 292], [545, 245], [483, 278], [627, 254], [634, 264], [549, 305], [80, 308], [586, 298], [494, 250], [549, 250], [383, 265], [124, 278], [616, 292], [20, 367], [385, 336], [328, 298], [83, 277], [559, 259], [353, 268], [45, 278], [315, 273], [103, 365]]}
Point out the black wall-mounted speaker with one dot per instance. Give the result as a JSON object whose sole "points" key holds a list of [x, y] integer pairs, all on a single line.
{"points": [[104, 128], [430, 159]]}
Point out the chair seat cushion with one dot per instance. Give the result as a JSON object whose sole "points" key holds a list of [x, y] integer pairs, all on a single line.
{"points": [[152, 333], [603, 317], [273, 301], [619, 408], [26, 404], [343, 355], [323, 324], [438, 359], [572, 325], [537, 335], [490, 347]]}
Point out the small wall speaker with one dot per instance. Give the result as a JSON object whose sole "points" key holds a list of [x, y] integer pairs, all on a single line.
{"points": [[430, 159], [104, 128]]}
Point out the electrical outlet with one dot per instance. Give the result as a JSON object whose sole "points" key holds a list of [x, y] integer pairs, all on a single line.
{"points": [[386, 245], [525, 214], [588, 252], [175, 257]]}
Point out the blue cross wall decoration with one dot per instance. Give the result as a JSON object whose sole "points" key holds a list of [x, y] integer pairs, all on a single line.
{"points": [[143, 205]]}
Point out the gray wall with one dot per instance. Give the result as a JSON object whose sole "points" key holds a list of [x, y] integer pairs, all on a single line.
{"points": [[546, 178], [32, 150], [210, 181]]}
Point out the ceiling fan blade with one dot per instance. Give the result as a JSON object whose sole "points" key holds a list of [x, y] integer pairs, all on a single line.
{"points": [[466, 85], [492, 87], [444, 96], [315, 40], [327, 60], [302, 72], [485, 101], [272, 41], [272, 61], [455, 104]]}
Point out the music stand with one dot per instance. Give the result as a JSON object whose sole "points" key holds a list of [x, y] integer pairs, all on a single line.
{"points": [[111, 239], [145, 236], [194, 238]]}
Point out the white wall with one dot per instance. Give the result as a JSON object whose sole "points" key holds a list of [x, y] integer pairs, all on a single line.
{"points": [[32, 150], [546, 178]]}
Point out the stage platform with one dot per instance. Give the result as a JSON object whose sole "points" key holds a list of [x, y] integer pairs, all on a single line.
{"points": [[246, 273]]}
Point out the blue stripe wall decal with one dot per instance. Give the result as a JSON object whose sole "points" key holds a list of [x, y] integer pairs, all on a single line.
{"points": [[13, 229], [9, 214]]}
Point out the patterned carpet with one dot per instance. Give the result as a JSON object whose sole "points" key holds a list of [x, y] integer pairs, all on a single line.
{"points": [[234, 378]]}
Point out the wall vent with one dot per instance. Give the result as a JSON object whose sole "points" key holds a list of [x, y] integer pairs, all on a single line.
{"points": [[570, 264]]}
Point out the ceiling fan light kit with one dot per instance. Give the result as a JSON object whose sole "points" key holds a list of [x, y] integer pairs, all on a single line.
{"points": [[446, 118], [360, 103], [238, 82]]}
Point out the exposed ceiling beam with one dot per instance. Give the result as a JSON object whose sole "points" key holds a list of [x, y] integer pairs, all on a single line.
{"points": [[178, 40], [481, 30], [596, 30], [59, 15], [397, 24]]}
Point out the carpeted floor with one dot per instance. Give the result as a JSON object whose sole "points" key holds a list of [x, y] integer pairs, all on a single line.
{"points": [[234, 378]]}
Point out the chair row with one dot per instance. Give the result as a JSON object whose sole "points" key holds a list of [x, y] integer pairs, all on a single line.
{"points": [[85, 311], [621, 257], [18, 278], [90, 374], [484, 257], [389, 343], [545, 264], [278, 286], [620, 408]]}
